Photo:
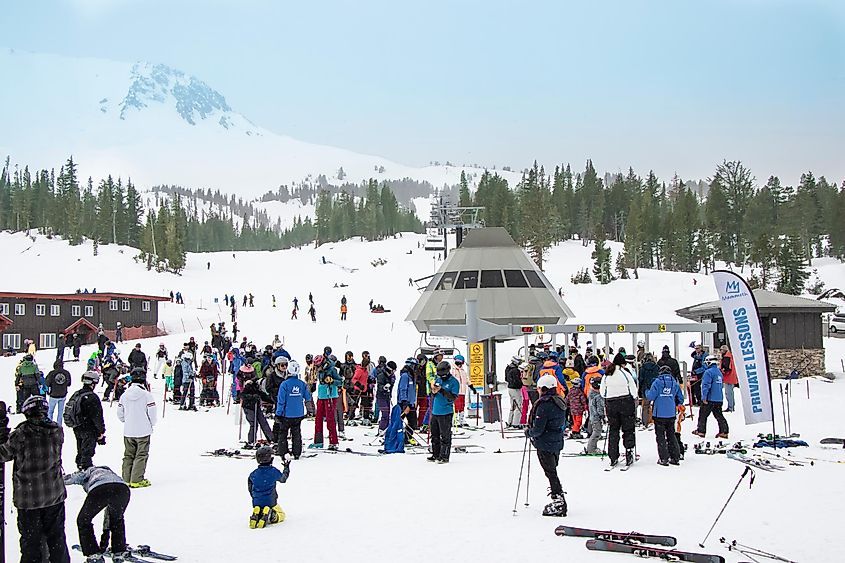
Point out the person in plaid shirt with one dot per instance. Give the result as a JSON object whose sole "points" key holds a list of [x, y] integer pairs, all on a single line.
{"points": [[39, 489]]}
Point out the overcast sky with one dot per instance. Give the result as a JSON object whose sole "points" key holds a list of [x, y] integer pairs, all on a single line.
{"points": [[672, 85]]}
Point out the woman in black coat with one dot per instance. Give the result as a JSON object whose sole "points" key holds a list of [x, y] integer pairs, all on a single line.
{"points": [[545, 430]]}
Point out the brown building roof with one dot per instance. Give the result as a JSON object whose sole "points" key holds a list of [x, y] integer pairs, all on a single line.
{"points": [[81, 296]]}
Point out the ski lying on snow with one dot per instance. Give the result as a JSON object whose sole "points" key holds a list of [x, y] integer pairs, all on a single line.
{"points": [[223, 452], [615, 536], [145, 551], [129, 557], [646, 551], [345, 451], [839, 441], [755, 462]]}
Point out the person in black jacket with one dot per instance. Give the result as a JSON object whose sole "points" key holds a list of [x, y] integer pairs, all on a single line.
{"points": [[513, 377], [137, 359], [385, 379], [92, 428], [545, 429], [578, 362], [648, 373], [667, 360], [57, 381], [251, 398], [39, 491]]}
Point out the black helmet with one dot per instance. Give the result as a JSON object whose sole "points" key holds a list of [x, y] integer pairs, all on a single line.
{"points": [[443, 368], [264, 455], [327, 351], [28, 357], [595, 383], [35, 405], [382, 360], [139, 375], [308, 357]]}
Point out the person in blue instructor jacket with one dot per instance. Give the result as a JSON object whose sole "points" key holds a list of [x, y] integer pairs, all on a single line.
{"points": [[444, 390], [711, 399], [665, 394], [290, 410]]}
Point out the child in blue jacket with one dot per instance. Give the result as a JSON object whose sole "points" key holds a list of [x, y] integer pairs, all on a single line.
{"points": [[262, 486], [665, 395]]}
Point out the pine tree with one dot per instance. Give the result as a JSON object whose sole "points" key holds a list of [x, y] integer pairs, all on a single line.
{"points": [[537, 214], [464, 198], [601, 259], [792, 267]]}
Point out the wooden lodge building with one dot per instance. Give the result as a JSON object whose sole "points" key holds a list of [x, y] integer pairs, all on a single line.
{"points": [[41, 317]]}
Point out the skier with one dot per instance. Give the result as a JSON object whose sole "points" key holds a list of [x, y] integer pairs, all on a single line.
{"points": [[343, 312], [329, 382], [385, 380], [444, 390], [666, 359], [421, 387], [167, 374], [597, 417], [619, 390], [310, 298], [90, 428], [548, 417], [576, 402], [61, 344], [137, 411], [251, 397], [358, 388], [58, 380], [406, 397], [208, 378], [698, 357], [312, 312], [290, 410], [188, 375], [711, 399], [137, 359], [666, 394], [262, 488], [460, 373], [39, 494], [246, 297], [648, 373], [27, 380], [310, 378], [513, 377], [728, 376], [161, 359]]}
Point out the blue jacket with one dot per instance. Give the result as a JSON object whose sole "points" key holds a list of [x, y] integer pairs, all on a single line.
{"points": [[407, 393], [328, 390], [237, 361], [443, 404], [711, 385], [290, 402], [394, 436], [666, 395], [188, 372], [698, 363], [549, 418], [281, 352], [262, 484]]}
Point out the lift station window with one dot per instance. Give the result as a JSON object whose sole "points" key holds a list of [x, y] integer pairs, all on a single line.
{"points": [[467, 279], [534, 279], [515, 278], [492, 278], [447, 282]]}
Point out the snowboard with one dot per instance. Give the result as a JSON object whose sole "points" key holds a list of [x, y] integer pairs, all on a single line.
{"points": [[653, 552], [630, 537]]}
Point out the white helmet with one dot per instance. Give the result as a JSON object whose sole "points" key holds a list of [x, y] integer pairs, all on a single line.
{"points": [[293, 368], [187, 355], [547, 382], [711, 360]]}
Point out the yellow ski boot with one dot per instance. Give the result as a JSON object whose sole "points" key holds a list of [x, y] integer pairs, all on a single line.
{"points": [[256, 516], [278, 515]]}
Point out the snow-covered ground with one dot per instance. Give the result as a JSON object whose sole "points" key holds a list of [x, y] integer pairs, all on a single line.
{"points": [[400, 507]]}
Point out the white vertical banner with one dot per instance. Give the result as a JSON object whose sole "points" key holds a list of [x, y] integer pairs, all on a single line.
{"points": [[742, 322]]}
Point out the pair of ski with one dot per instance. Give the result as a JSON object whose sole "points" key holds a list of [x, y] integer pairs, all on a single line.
{"points": [[623, 467], [755, 462], [461, 449], [139, 554], [633, 543], [345, 451]]}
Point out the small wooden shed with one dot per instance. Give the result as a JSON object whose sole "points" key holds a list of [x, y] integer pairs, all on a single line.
{"points": [[792, 330]]}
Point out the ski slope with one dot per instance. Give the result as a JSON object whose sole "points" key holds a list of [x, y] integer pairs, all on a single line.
{"points": [[400, 507]]}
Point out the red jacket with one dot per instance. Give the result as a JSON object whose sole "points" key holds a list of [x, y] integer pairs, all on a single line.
{"points": [[360, 379], [728, 369]]}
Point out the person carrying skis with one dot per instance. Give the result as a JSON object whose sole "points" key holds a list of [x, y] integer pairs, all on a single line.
{"points": [[712, 395], [290, 410], [619, 390], [39, 493], [444, 390], [105, 490], [329, 382], [545, 430], [137, 411], [597, 417], [576, 402], [666, 394], [58, 380], [90, 428], [262, 488], [161, 359]]}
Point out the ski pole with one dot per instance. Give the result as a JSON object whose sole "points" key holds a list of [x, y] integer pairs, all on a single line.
{"points": [[745, 472], [783, 410], [788, 415], [528, 480], [519, 481]]}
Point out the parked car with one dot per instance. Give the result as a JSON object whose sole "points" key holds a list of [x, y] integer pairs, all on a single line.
{"points": [[837, 323]]}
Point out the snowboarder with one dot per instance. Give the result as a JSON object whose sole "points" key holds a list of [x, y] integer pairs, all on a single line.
{"points": [[39, 494], [58, 380], [666, 394], [329, 381], [712, 395], [262, 488], [619, 390], [444, 390], [513, 377], [90, 429], [545, 430], [290, 410], [137, 411]]}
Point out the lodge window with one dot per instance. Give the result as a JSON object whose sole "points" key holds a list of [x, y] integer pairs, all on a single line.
{"points": [[4, 309], [125, 304], [47, 340], [89, 310], [145, 305], [75, 310], [113, 305], [40, 309], [12, 341], [55, 310], [20, 309]]}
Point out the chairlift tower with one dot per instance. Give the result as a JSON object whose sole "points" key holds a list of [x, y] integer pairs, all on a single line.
{"points": [[446, 215]]}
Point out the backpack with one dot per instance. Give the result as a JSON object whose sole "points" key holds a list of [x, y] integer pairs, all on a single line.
{"points": [[73, 408], [528, 376]]}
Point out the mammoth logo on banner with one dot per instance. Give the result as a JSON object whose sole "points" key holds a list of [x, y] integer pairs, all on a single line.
{"points": [[742, 322]]}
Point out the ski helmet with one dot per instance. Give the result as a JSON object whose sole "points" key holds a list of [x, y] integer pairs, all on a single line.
{"points": [[547, 381], [516, 360], [91, 377], [595, 383], [248, 369], [280, 361], [309, 358], [459, 359], [264, 455], [411, 362], [318, 360], [443, 368], [293, 368], [139, 375], [35, 405], [711, 360], [187, 356]]}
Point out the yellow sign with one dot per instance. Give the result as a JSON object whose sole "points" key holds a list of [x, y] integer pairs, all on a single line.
{"points": [[581, 328], [661, 328], [620, 328], [476, 364], [540, 328]]}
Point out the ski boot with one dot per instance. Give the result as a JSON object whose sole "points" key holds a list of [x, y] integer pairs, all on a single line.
{"points": [[277, 515], [332, 447], [699, 434], [576, 436], [663, 462], [431, 458], [95, 558], [722, 435], [121, 556], [263, 517], [630, 457], [557, 507], [614, 463], [255, 517], [315, 446]]}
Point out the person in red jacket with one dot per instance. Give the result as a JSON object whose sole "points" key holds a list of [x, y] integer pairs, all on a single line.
{"points": [[728, 376], [576, 401], [359, 384]]}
